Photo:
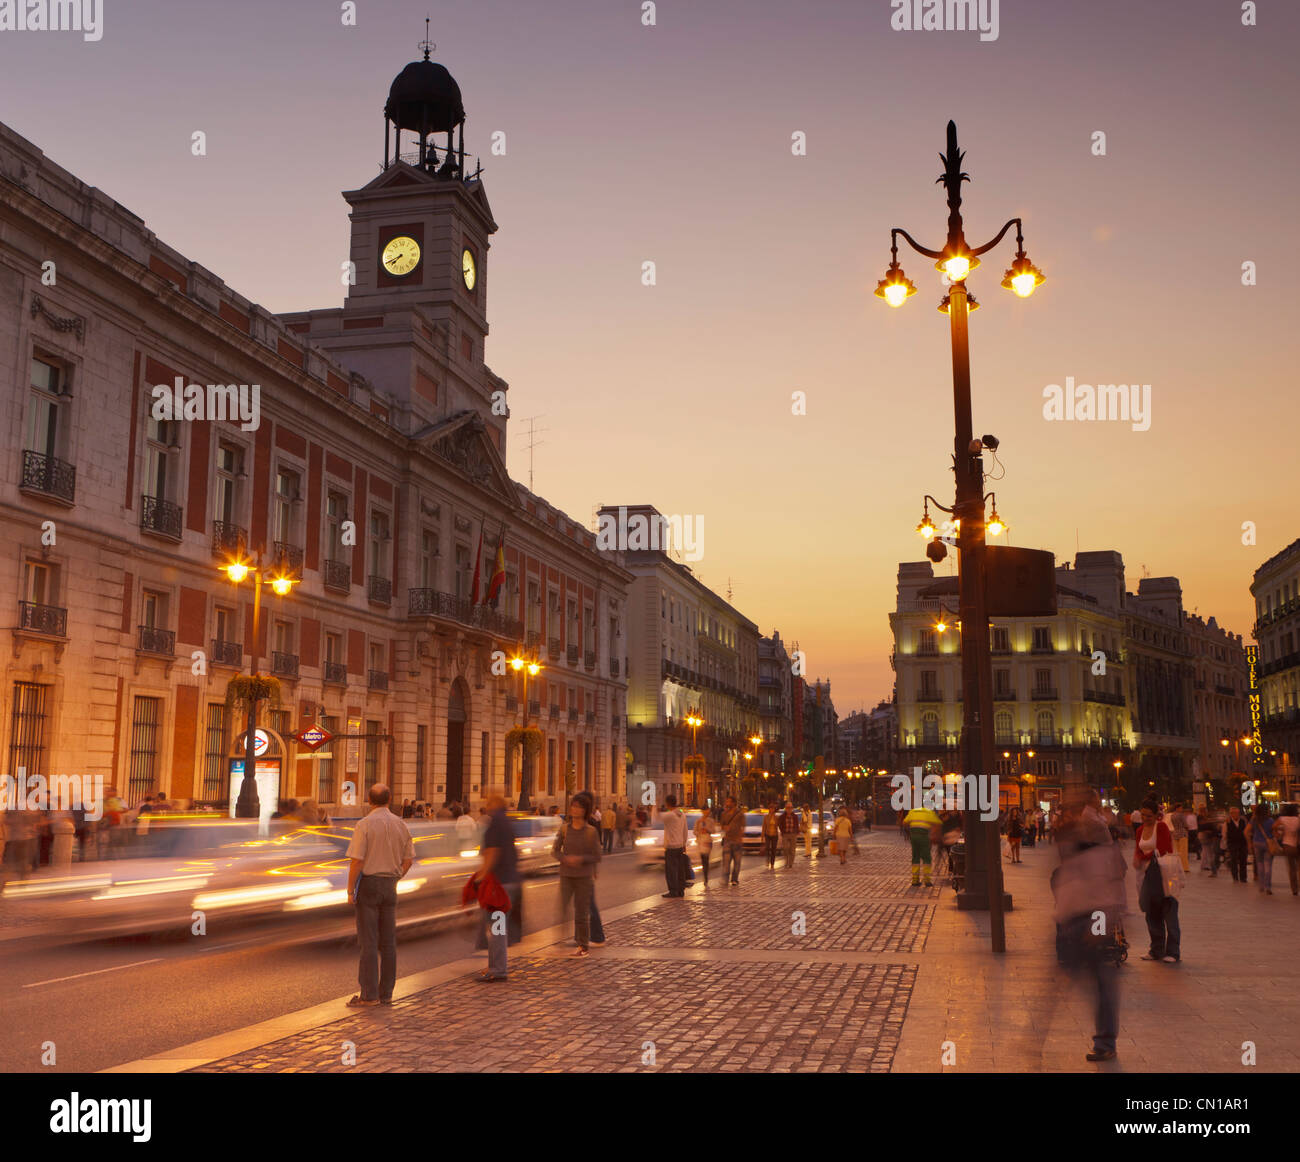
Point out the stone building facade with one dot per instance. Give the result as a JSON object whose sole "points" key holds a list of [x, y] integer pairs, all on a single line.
{"points": [[689, 653], [374, 476], [1276, 590]]}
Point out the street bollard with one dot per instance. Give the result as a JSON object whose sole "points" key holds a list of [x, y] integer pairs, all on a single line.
{"points": [[61, 849]]}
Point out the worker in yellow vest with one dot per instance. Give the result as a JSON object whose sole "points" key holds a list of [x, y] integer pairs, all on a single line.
{"points": [[921, 822]]}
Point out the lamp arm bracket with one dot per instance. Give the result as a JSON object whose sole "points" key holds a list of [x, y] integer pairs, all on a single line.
{"points": [[1020, 240], [912, 242], [941, 507]]}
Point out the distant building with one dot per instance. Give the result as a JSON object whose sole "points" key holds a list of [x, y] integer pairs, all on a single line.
{"points": [[1099, 695], [1220, 706], [689, 653], [1276, 590], [776, 717]]}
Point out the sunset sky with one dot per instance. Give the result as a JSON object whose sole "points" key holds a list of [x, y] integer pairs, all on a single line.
{"points": [[672, 144]]}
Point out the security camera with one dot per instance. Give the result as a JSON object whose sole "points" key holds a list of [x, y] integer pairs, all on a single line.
{"points": [[936, 551], [990, 442], [975, 447]]}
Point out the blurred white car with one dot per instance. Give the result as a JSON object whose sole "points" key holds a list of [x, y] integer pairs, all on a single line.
{"points": [[650, 839]]}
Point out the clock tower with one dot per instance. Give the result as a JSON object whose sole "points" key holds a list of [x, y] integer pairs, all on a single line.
{"points": [[414, 320]]}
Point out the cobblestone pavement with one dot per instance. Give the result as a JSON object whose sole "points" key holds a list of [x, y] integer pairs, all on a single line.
{"points": [[664, 990]]}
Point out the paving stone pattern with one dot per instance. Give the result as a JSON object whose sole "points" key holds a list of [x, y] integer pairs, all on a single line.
{"points": [[690, 923], [850, 1018]]}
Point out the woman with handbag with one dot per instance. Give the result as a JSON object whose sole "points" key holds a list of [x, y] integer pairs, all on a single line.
{"points": [[843, 835], [578, 846], [1159, 875], [1260, 833]]}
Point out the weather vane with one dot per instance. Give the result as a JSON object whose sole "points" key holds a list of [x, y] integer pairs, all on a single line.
{"points": [[426, 43]]}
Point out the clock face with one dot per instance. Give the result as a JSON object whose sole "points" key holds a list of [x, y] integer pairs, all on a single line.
{"points": [[468, 269], [401, 256]]}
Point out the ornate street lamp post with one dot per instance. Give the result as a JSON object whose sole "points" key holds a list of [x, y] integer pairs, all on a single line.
{"points": [[526, 668], [957, 260], [248, 805]]}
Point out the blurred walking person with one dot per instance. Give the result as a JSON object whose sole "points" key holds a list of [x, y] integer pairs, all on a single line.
{"points": [[501, 862], [578, 847], [1286, 831], [733, 840], [704, 828], [597, 927], [1154, 839], [922, 823], [1210, 846], [1234, 839], [1179, 821], [788, 822], [380, 854], [771, 833], [1089, 890], [844, 832], [608, 822], [807, 832], [1015, 832], [1260, 833]]}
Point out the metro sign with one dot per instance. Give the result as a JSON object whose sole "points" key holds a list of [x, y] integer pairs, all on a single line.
{"points": [[314, 737]]}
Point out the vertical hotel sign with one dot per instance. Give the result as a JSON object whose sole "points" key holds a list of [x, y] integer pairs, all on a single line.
{"points": [[1256, 740]]}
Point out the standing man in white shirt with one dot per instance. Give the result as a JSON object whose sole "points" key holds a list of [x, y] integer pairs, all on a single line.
{"points": [[674, 825], [381, 853]]}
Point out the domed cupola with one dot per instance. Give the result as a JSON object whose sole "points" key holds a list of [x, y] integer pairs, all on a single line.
{"points": [[424, 99]]}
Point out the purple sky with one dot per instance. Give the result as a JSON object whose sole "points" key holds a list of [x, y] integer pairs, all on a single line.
{"points": [[672, 144]]}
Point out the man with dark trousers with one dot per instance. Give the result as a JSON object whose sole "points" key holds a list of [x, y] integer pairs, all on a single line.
{"points": [[380, 854]]}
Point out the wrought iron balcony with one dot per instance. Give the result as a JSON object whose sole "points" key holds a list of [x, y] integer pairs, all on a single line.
{"points": [[284, 665], [929, 696], [1044, 694], [589, 659], [533, 640], [160, 517], [1227, 691], [1103, 696], [553, 648], [572, 654], [229, 540], [555, 710], [335, 672], [377, 679], [227, 653], [49, 619], [449, 607], [288, 559], [613, 667], [573, 714], [591, 718], [512, 702], [338, 575], [380, 590], [49, 476], [1043, 650], [157, 641], [534, 708], [1003, 694]]}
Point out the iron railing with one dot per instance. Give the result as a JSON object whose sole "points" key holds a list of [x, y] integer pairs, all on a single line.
{"points": [[227, 653], [161, 517], [49, 619], [49, 475], [335, 672], [285, 665], [157, 641], [338, 575]]}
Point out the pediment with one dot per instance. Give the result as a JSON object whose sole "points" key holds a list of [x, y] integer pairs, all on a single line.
{"points": [[463, 442]]}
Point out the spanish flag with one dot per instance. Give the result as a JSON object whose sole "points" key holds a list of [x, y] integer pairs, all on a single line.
{"points": [[498, 578]]}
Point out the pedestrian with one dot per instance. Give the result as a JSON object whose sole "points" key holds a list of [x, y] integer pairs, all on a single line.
{"points": [[674, 825], [578, 847], [844, 832], [501, 861], [855, 824], [1089, 890], [807, 832], [1260, 833], [903, 828], [1015, 832], [1286, 831], [1154, 839], [1235, 841], [380, 854], [788, 822], [608, 822], [732, 820], [922, 823], [771, 834], [465, 829], [704, 828], [597, 928], [1210, 846], [621, 823], [1178, 820], [408, 809]]}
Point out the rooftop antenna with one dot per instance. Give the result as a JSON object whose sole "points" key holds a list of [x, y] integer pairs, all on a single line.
{"points": [[728, 590], [426, 43], [533, 442]]}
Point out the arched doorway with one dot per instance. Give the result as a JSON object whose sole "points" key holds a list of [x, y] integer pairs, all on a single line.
{"points": [[456, 719]]}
